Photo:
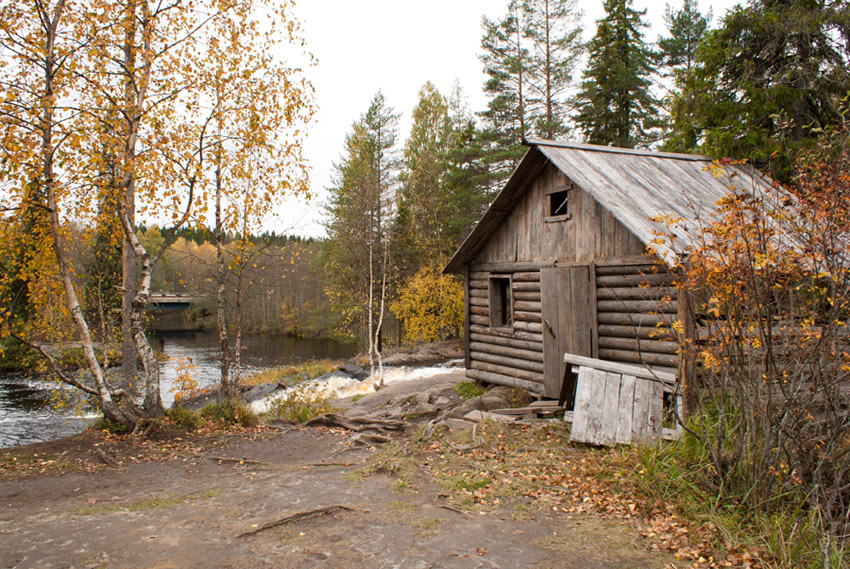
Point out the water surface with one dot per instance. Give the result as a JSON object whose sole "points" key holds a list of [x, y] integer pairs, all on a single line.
{"points": [[27, 410]]}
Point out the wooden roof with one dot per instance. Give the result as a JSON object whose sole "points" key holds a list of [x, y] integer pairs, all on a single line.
{"points": [[636, 186]]}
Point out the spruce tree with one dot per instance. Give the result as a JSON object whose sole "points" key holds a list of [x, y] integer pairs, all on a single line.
{"points": [[466, 177], [770, 79], [616, 106]]}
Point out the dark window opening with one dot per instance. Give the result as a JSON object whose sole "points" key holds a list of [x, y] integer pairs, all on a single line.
{"points": [[501, 305], [559, 203]]}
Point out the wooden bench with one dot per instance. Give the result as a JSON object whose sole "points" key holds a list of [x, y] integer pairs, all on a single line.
{"points": [[619, 403]]}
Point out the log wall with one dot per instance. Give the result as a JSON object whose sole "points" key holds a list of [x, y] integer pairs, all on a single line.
{"points": [[510, 355], [636, 306]]}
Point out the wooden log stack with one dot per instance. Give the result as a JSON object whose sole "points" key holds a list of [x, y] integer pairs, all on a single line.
{"points": [[636, 306], [510, 356]]}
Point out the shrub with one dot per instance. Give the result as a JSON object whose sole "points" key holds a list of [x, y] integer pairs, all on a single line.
{"points": [[184, 418], [229, 412], [770, 281], [301, 403], [430, 304]]}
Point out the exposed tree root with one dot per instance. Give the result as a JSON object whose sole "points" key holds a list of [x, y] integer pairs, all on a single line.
{"points": [[368, 439], [358, 424], [295, 517], [237, 460], [449, 508]]}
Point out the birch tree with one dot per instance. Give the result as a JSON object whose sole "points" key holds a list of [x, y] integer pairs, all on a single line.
{"points": [[260, 107], [133, 89]]}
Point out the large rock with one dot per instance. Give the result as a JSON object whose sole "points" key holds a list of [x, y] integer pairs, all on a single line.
{"points": [[333, 374], [260, 391], [496, 398], [355, 371], [426, 354]]}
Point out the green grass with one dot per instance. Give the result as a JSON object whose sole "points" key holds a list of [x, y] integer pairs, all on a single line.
{"points": [[469, 389], [155, 503], [147, 504]]}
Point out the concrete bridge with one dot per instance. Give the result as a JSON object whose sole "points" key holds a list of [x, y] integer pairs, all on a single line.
{"points": [[173, 312]]}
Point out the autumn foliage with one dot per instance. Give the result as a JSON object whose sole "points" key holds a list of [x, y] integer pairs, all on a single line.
{"points": [[771, 286], [430, 305]]}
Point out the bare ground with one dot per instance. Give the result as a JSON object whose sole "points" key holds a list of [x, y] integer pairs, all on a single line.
{"points": [[189, 509]]}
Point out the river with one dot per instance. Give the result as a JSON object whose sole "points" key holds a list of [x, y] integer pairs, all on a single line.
{"points": [[28, 416]]}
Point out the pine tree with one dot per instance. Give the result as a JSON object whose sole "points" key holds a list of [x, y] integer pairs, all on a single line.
{"points": [[505, 123], [678, 51], [678, 60], [360, 214], [552, 30], [616, 106]]}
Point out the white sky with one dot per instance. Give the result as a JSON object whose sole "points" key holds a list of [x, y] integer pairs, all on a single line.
{"points": [[396, 46]]}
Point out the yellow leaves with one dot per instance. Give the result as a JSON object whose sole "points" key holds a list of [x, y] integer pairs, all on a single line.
{"points": [[430, 304]]}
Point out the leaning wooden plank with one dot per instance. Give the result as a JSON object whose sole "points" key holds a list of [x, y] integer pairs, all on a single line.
{"points": [[640, 414], [626, 409], [607, 433], [656, 411], [581, 409], [597, 399], [620, 368], [647, 358]]}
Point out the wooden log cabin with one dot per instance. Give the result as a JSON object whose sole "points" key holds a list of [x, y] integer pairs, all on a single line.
{"points": [[559, 264]]}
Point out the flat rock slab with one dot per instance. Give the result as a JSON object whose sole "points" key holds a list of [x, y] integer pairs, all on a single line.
{"points": [[188, 511]]}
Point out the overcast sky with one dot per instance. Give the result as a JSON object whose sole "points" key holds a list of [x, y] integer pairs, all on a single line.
{"points": [[396, 46]]}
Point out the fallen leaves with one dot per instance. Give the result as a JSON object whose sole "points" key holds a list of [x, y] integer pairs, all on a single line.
{"points": [[535, 463], [94, 451]]}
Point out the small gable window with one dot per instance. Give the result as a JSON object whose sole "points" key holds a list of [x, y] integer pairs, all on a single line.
{"points": [[557, 204], [501, 303]]}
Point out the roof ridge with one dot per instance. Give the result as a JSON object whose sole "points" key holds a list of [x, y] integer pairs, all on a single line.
{"points": [[616, 150]]}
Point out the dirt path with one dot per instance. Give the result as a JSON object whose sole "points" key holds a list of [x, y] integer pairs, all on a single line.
{"points": [[189, 511]]}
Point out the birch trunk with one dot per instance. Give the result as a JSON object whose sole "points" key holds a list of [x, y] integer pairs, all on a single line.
{"points": [[125, 415]]}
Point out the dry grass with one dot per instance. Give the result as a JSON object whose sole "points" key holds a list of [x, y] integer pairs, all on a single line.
{"points": [[293, 374]]}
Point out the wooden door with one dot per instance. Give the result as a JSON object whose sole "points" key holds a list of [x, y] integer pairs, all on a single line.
{"points": [[566, 297]]}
